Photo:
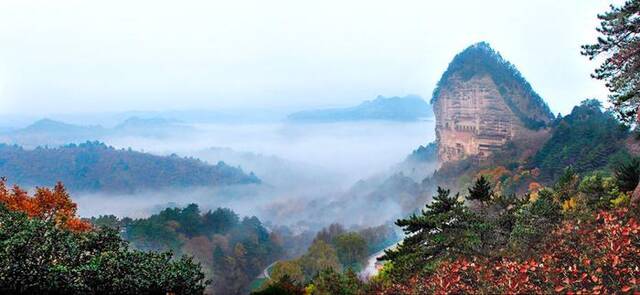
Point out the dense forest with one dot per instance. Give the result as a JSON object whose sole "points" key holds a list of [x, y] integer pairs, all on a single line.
{"points": [[233, 251], [587, 139], [94, 166]]}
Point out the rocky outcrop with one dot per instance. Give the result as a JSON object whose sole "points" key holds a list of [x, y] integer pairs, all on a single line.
{"points": [[481, 103]]}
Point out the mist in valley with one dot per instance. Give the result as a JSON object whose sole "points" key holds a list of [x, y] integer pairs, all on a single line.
{"points": [[312, 174]]}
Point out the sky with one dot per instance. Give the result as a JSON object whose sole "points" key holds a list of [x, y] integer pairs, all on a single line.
{"points": [[82, 56]]}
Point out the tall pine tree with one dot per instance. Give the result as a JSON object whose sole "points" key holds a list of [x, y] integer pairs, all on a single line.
{"points": [[444, 228], [481, 191], [620, 43]]}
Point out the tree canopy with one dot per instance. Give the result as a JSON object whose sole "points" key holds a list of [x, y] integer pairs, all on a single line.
{"points": [[619, 42], [46, 251]]}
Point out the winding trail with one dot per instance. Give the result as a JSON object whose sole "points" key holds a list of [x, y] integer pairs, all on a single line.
{"points": [[265, 271]]}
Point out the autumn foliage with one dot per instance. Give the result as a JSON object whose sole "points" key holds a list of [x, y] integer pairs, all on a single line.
{"points": [[46, 204], [597, 256]]}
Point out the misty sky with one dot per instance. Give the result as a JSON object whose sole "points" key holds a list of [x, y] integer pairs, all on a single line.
{"points": [[92, 56]]}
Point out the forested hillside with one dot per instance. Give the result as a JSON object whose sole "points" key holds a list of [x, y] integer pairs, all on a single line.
{"points": [[94, 166], [586, 139], [233, 251]]}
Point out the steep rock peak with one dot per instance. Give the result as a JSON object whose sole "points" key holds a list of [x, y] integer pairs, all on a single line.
{"points": [[481, 102]]}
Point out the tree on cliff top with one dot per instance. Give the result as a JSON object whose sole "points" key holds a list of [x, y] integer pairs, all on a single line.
{"points": [[620, 43]]}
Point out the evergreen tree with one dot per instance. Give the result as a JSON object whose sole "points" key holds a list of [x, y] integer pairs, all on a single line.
{"points": [[481, 191], [628, 174], [620, 42], [445, 228]]}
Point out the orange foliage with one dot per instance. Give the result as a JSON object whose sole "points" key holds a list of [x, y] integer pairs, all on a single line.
{"points": [[494, 174], [46, 204], [534, 187]]}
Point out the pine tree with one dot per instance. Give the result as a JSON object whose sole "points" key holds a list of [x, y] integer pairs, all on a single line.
{"points": [[620, 42], [444, 228], [481, 191], [628, 174]]}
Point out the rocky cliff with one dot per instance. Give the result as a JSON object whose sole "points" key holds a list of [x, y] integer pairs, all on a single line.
{"points": [[482, 102]]}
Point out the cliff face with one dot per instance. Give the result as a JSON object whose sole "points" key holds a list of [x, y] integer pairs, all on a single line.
{"points": [[481, 103]]}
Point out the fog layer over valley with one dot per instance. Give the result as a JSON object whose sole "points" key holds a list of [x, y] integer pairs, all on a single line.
{"points": [[312, 174]]}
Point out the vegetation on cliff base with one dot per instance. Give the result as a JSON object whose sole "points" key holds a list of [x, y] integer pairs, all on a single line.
{"points": [[586, 140]]}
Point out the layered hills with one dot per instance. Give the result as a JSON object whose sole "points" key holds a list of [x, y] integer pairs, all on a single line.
{"points": [[54, 132], [94, 166]]}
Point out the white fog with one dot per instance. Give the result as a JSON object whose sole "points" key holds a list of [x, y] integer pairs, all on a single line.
{"points": [[300, 165]]}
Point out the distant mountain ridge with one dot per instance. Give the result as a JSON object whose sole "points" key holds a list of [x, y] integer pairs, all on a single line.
{"points": [[49, 125], [406, 108], [94, 166], [53, 132]]}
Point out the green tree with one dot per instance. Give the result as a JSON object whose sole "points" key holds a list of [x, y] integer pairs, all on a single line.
{"points": [[567, 185], [619, 41], [320, 256], [481, 191], [534, 221], [351, 248], [445, 228], [39, 257], [288, 268], [283, 286], [331, 282], [628, 174], [598, 190]]}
